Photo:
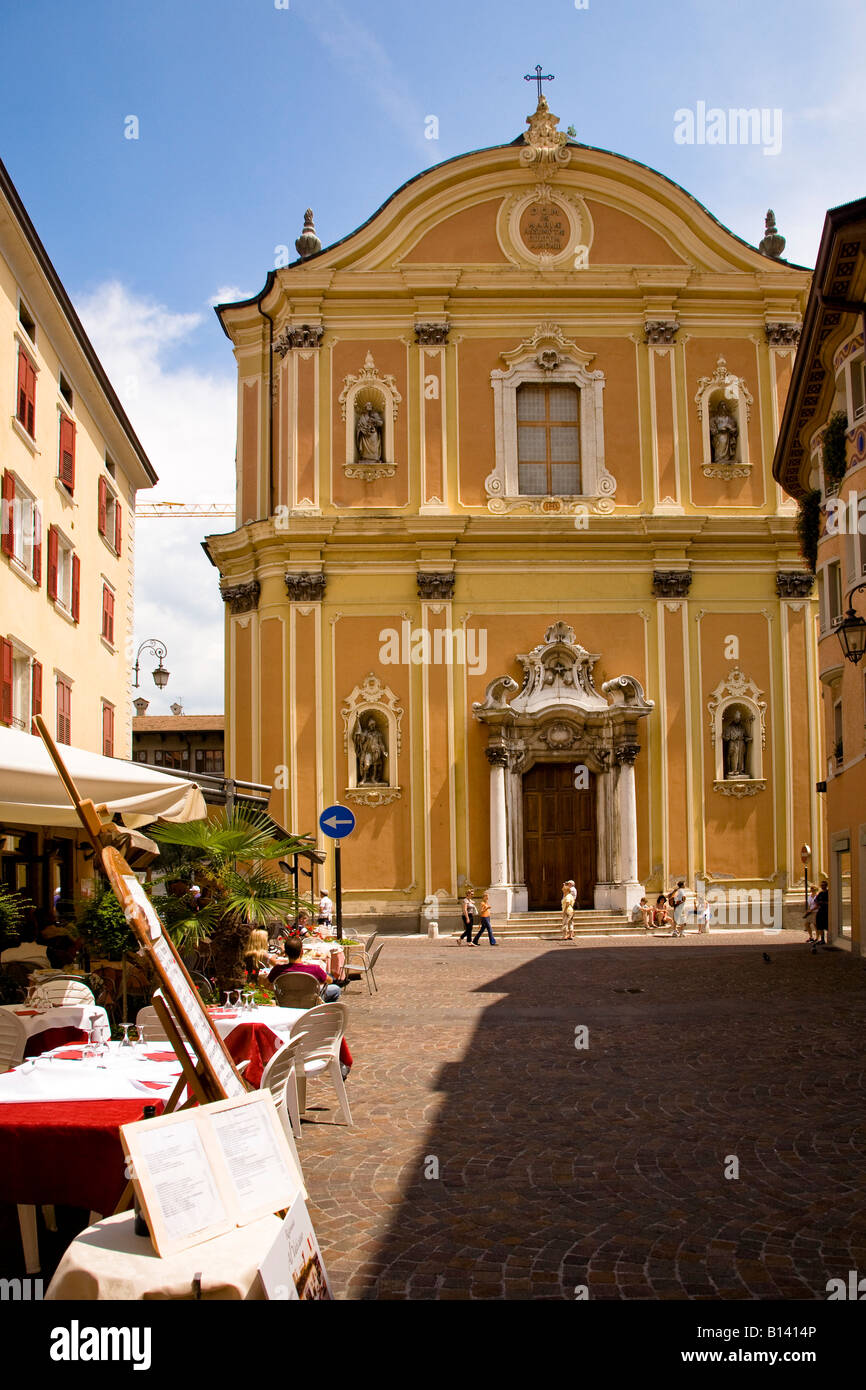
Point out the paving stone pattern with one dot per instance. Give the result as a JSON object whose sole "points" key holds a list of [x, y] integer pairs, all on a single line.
{"points": [[605, 1167]]}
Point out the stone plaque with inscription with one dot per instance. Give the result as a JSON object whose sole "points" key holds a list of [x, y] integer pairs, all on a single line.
{"points": [[544, 228]]}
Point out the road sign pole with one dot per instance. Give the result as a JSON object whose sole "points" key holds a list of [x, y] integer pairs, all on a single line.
{"points": [[338, 889]]}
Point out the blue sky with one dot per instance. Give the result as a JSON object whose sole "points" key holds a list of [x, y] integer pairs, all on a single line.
{"points": [[248, 113]]}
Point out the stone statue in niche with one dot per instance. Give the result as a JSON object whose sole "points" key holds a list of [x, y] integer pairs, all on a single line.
{"points": [[368, 434], [724, 432], [370, 753], [736, 737]]}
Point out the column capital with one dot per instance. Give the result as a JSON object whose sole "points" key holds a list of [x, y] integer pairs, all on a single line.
{"points": [[497, 756], [626, 753]]}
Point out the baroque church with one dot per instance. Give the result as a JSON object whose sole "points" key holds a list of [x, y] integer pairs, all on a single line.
{"points": [[512, 577]]}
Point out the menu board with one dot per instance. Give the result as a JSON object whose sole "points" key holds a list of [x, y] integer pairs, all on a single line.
{"points": [[184, 1002], [293, 1268], [199, 1173]]}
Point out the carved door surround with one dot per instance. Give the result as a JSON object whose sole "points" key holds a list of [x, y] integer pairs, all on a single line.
{"points": [[558, 715]]}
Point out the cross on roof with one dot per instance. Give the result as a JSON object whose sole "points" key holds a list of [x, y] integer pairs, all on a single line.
{"points": [[538, 77]]}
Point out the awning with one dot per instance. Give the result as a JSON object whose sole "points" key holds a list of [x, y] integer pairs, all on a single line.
{"points": [[31, 793]]}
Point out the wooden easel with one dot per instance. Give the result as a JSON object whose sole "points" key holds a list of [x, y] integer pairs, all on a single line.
{"points": [[208, 1070]]}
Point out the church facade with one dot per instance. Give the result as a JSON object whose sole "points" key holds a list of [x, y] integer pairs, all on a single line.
{"points": [[512, 576]]}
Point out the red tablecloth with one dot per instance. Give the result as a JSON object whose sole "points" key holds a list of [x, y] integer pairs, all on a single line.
{"points": [[66, 1152], [53, 1037], [256, 1043]]}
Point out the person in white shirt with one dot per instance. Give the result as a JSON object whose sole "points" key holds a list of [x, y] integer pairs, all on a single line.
{"points": [[702, 915], [677, 901], [29, 951], [569, 898], [326, 909]]}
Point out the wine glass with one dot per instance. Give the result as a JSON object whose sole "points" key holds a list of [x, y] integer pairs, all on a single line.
{"points": [[237, 995], [228, 994], [126, 1039]]}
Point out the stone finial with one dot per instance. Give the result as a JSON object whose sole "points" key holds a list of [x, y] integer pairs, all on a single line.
{"points": [[772, 243], [308, 244]]}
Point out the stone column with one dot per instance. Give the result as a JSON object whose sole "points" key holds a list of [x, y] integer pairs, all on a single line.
{"points": [[499, 894], [628, 891]]}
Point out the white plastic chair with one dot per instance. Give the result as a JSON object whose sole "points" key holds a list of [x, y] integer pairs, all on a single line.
{"points": [[148, 1019], [13, 1040], [55, 993], [281, 1079], [320, 1052]]}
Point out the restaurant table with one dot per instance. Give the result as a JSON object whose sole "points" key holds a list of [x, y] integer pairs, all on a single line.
{"points": [[109, 1261], [325, 953], [67, 1023], [254, 1035]]}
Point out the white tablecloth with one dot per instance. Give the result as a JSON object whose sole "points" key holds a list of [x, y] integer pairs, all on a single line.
{"points": [[123, 1075], [64, 1016], [279, 1020]]}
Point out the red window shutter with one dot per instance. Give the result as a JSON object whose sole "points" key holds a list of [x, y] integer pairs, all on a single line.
{"points": [[76, 587], [37, 545], [103, 506], [26, 392], [36, 688], [107, 614], [5, 681], [66, 471], [52, 562], [8, 513], [107, 731], [118, 525]]}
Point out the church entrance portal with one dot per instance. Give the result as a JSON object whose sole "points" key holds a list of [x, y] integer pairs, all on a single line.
{"points": [[559, 836]]}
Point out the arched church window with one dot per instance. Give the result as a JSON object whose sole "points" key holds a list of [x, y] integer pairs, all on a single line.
{"points": [[548, 440]]}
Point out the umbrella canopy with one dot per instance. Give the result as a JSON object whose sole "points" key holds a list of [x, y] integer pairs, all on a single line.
{"points": [[31, 793]]}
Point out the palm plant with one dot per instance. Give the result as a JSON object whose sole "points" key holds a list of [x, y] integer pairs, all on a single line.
{"points": [[234, 859]]}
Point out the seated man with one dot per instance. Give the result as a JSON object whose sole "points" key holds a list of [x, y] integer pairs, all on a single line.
{"points": [[294, 951], [642, 914], [28, 949]]}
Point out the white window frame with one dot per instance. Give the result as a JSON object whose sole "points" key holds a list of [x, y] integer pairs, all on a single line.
{"points": [[856, 367], [22, 685], [24, 507], [548, 359], [834, 610], [66, 550]]}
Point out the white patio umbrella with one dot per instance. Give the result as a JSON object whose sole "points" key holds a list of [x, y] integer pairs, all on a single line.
{"points": [[31, 793]]}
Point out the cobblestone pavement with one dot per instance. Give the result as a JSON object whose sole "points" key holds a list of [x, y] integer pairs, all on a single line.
{"points": [[603, 1167]]}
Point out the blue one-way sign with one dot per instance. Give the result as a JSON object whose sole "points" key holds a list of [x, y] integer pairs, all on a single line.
{"points": [[337, 821]]}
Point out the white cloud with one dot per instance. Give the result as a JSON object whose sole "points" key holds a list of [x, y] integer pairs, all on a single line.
{"points": [[185, 419], [229, 294]]}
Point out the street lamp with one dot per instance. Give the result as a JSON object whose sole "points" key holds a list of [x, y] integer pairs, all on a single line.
{"points": [[160, 674], [851, 631]]}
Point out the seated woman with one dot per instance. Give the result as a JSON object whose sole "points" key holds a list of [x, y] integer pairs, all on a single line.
{"points": [[257, 956], [661, 912], [294, 951]]}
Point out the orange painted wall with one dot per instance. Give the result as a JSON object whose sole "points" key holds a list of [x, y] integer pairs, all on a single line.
{"points": [[305, 679], [433, 364], [674, 742], [274, 740], [464, 238], [249, 506], [438, 762], [243, 707], [663, 367], [740, 833], [307, 442], [622, 240], [348, 357]]}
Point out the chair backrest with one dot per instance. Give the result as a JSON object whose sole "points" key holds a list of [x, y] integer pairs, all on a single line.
{"points": [[370, 942], [376, 953], [204, 986], [296, 989], [62, 990], [277, 1072], [324, 1026], [13, 1039], [12, 986], [148, 1019]]}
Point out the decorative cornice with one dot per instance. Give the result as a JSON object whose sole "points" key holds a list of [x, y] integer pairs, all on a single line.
{"points": [[661, 330], [432, 334], [241, 598], [435, 586], [373, 796], [306, 587], [794, 583], [671, 583], [303, 336], [782, 334]]}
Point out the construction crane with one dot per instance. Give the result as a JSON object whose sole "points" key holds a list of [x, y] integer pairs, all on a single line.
{"points": [[184, 509]]}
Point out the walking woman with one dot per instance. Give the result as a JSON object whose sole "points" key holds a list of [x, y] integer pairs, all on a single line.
{"points": [[468, 914], [569, 898], [484, 913]]}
